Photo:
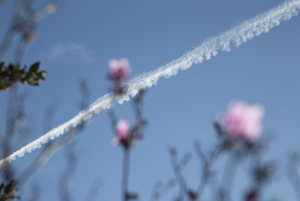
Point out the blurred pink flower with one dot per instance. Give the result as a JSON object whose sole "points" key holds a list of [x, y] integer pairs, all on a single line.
{"points": [[122, 131], [242, 120], [119, 70]]}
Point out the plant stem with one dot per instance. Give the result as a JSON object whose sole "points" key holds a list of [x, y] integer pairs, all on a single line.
{"points": [[125, 174]]}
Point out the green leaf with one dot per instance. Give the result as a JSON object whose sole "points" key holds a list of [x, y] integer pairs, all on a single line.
{"points": [[8, 189], [1, 65], [28, 76], [18, 66], [11, 67], [3, 75], [34, 67], [33, 83], [2, 185]]}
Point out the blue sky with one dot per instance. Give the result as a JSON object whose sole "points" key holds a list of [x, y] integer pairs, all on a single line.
{"points": [[76, 43]]}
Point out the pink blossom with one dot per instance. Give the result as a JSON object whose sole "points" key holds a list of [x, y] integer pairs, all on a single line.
{"points": [[242, 120], [119, 69], [122, 131]]}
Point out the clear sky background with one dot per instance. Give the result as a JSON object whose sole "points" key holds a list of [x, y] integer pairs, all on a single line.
{"points": [[76, 43]]}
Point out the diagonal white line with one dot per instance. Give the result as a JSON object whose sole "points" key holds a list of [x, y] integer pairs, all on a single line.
{"points": [[261, 23]]}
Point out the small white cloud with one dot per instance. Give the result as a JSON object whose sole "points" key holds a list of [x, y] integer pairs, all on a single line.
{"points": [[71, 53]]}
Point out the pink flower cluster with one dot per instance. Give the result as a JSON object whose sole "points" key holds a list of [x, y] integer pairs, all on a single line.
{"points": [[119, 70], [122, 132], [242, 121]]}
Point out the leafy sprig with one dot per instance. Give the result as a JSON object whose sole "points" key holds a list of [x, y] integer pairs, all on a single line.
{"points": [[8, 192], [14, 74]]}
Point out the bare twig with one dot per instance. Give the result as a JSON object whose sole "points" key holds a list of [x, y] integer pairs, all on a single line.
{"points": [[125, 178], [94, 190], [15, 120], [177, 168], [35, 194], [292, 172], [160, 189], [229, 173], [208, 163], [51, 149], [23, 23], [67, 176]]}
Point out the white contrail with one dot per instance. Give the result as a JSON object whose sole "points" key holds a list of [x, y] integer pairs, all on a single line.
{"points": [[262, 23]]}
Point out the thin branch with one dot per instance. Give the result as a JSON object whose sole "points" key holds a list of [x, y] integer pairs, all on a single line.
{"points": [[47, 154], [24, 21], [292, 172], [160, 190], [125, 178], [207, 166], [67, 176], [178, 174], [229, 173], [94, 190]]}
